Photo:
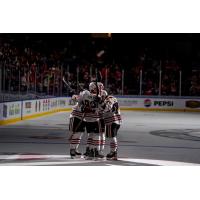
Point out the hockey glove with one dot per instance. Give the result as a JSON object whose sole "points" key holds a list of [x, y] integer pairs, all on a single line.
{"points": [[97, 99]]}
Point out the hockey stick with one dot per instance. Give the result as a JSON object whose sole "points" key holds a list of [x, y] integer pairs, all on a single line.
{"points": [[70, 88], [67, 84], [97, 84]]}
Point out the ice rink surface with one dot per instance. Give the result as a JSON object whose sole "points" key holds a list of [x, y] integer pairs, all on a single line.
{"points": [[145, 139]]}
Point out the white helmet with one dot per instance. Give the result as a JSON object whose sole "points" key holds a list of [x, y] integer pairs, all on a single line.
{"points": [[93, 87], [100, 86], [103, 94]]}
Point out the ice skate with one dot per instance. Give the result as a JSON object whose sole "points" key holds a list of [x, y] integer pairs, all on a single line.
{"points": [[75, 154], [112, 155], [91, 155], [98, 155], [87, 152]]}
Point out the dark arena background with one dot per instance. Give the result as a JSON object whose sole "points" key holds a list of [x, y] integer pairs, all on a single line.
{"points": [[155, 78]]}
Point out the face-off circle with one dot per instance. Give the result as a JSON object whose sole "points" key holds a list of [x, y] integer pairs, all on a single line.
{"points": [[182, 134]]}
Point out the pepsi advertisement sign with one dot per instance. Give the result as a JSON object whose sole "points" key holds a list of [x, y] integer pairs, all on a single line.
{"points": [[147, 103]]}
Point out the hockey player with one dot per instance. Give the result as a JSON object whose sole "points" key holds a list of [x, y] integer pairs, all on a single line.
{"points": [[77, 125], [112, 119], [93, 124], [102, 95], [86, 114]]}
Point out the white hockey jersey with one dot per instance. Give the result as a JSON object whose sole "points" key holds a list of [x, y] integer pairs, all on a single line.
{"points": [[103, 94], [111, 111], [86, 108]]}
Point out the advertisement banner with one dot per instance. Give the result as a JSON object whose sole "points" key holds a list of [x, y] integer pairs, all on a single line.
{"points": [[62, 103], [128, 101], [28, 107], [45, 105], [37, 106], [14, 109], [151, 103], [162, 103], [11, 110], [1, 111], [192, 104], [5, 111], [54, 104], [65, 102]]}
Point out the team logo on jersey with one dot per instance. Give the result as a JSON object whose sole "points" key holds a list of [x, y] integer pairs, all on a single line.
{"points": [[147, 102]]}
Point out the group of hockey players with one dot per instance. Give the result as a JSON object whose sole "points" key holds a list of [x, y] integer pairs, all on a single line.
{"points": [[98, 113]]}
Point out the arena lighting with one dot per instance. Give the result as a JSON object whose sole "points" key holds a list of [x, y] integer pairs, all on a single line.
{"points": [[109, 35], [101, 35]]}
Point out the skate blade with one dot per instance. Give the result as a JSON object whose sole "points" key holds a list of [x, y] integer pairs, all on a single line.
{"points": [[89, 158], [73, 157], [112, 159], [77, 157], [98, 159]]}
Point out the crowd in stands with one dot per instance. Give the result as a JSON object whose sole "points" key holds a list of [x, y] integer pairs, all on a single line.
{"points": [[25, 70]]}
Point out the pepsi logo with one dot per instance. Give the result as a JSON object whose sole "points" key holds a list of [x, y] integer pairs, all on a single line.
{"points": [[147, 102]]}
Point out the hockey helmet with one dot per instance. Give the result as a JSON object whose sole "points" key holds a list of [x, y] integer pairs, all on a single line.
{"points": [[92, 87], [103, 94]]}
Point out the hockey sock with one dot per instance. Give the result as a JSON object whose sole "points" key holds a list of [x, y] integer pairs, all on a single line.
{"points": [[113, 144], [96, 141], [102, 142], [89, 140], [75, 141]]}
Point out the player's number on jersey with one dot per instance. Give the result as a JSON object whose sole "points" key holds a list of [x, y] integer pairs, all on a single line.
{"points": [[90, 104]]}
